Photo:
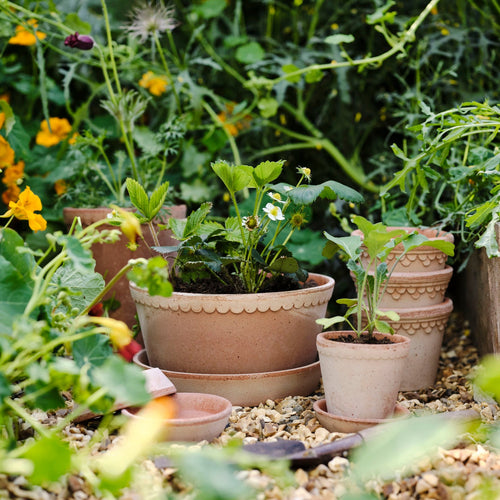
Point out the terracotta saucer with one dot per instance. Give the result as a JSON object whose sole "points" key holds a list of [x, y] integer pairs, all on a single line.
{"points": [[245, 389], [199, 417], [337, 423]]}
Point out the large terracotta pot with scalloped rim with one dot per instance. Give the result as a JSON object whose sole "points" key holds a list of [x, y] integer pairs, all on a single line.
{"points": [[233, 333], [361, 380]]}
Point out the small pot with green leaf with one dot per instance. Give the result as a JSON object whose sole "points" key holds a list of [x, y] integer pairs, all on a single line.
{"points": [[362, 368], [242, 303]]}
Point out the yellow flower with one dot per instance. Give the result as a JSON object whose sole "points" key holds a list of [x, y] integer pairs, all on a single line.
{"points": [[11, 194], [119, 333], [58, 131], [156, 84], [25, 36], [13, 174], [138, 434], [6, 153], [130, 226], [306, 172], [3, 97], [25, 208], [231, 126], [60, 187]]}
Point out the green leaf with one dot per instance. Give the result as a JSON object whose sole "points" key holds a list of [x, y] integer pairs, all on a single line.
{"points": [[291, 68], [268, 107], [305, 195], [84, 287], [74, 22], [328, 322], [152, 275], [46, 471], [124, 381], [314, 75], [195, 220], [93, 350], [285, 265], [10, 119], [417, 240], [351, 245], [16, 285], [383, 326], [235, 178], [250, 53], [157, 200], [210, 8], [339, 38], [5, 389], [147, 141], [266, 172], [138, 196], [402, 443]]}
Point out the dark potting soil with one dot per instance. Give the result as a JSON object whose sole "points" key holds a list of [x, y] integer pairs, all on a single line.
{"points": [[363, 339], [235, 285]]}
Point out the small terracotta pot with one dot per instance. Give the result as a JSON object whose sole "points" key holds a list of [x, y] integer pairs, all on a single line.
{"points": [[199, 417], [111, 257], [233, 333], [414, 289], [420, 259], [361, 380], [425, 327]]}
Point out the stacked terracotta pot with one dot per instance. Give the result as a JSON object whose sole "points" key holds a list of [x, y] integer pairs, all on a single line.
{"points": [[416, 291]]}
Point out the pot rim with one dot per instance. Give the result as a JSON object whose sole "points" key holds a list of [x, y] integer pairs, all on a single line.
{"points": [[329, 282], [440, 235], [434, 311], [420, 276], [325, 340]]}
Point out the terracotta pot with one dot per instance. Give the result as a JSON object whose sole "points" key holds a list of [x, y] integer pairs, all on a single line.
{"points": [[199, 417], [361, 380], [420, 259], [233, 333], [425, 327], [244, 389], [111, 257], [414, 289]]}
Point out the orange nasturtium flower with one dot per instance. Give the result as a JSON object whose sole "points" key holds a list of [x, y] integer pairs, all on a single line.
{"points": [[25, 208], [139, 434], [58, 131], [60, 187], [13, 174], [11, 194], [25, 36], [6, 153], [156, 84], [233, 127]]}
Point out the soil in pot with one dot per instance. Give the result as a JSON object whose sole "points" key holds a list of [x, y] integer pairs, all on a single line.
{"points": [[362, 339]]}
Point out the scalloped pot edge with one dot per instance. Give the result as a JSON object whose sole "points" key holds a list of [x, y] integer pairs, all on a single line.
{"points": [[239, 303]]}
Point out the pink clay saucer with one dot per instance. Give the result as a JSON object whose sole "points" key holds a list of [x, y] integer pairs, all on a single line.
{"points": [[199, 417], [337, 423]]}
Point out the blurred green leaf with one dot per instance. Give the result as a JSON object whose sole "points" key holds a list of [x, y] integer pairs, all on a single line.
{"points": [[250, 53]]}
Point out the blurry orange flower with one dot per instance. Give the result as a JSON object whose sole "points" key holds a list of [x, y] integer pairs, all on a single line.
{"points": [[130, 226], [58, 131], [13, 173], [11, 194], [230, 125], [25, 208], [156, 84], [25, 36], [6, 153], [60, 187], [139, 434]]}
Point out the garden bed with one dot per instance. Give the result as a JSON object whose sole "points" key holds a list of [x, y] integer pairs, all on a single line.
{"points": [[453, 473]]}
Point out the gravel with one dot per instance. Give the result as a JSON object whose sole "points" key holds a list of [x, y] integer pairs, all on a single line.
{"points": [[462, 472]]}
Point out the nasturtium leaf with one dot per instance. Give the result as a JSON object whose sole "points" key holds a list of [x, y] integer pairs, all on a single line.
{"points": [[73, 21], [84, 285], [339, 38], [307, 194], [124, 381], [314, 75], [51, 458], [291, 68], [80, 257], [268, 107], [285, 265], [5, 388], [46, 399], [93, 350], [351, 245], [250, 53]]}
